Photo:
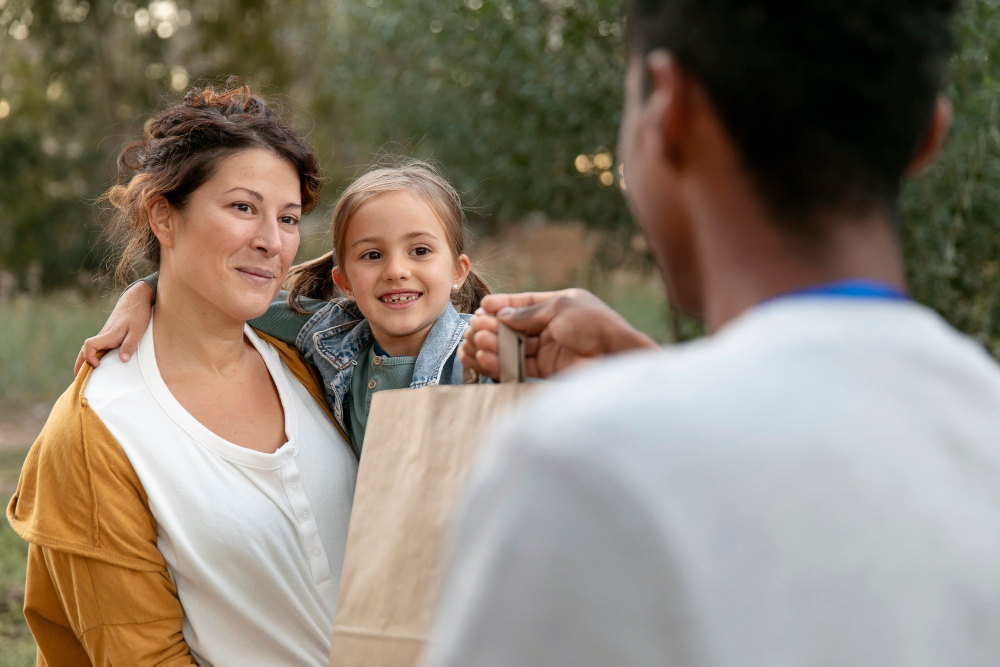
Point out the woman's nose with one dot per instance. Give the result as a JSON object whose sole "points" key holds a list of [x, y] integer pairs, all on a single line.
{"points": [[267, 239]]}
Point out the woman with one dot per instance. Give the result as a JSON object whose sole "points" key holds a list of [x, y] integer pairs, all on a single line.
{"points": [[192, 508]]}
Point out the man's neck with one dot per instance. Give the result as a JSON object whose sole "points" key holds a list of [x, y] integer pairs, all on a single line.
{"points": [[193, 335], [747, 257]]}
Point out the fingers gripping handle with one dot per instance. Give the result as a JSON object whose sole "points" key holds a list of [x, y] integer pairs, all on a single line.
{"points": [[510, 354]]}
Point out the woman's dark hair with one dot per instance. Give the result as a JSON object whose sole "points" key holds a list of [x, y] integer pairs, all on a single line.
{"points": [[315, 279], [179, 151]]}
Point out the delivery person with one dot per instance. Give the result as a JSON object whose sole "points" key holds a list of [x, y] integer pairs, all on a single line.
{"points": [[815, 483]]}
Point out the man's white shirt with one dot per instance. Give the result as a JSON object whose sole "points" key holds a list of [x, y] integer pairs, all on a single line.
{"points": [[817, 484]]}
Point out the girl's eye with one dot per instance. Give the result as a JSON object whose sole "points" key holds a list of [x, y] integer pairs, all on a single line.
{"points": [[420, 252], [372, 255], [243, 208]]}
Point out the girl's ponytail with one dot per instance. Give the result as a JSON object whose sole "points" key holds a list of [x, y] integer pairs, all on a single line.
{"points": [[311, 280], [470, 294]]}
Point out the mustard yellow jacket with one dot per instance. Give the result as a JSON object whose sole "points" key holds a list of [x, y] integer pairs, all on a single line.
{"points": [[98, 592]]}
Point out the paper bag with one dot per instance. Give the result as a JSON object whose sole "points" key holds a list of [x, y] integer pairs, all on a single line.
{"points": [[418, 447]]}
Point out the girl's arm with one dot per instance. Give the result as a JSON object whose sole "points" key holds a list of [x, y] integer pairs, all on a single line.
{"points": [[130, 317], [125, 326]]}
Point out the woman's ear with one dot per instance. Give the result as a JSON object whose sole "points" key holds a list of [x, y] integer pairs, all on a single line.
{"points": [[162, 221], [342, 283], [462, 268]]}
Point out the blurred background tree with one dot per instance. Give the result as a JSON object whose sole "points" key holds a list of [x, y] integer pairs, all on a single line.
{"points": [[519, 100], [951, 228]]}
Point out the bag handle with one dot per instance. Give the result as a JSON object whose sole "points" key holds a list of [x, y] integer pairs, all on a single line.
{"points": [[510, 355]]}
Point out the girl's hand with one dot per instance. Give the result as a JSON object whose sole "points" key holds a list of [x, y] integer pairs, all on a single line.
{"points": [[564, 329], [124, 328]]}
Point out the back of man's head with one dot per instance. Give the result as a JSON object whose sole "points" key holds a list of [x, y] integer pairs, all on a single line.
{"points": [[826, 100]]}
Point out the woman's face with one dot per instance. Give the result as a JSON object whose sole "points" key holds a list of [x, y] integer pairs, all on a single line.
{"points": [[230, 247]]}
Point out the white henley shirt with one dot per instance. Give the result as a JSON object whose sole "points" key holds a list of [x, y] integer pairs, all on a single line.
{"points": [[254, 542]]}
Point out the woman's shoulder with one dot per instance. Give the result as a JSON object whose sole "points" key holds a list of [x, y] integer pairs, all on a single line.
{"points": [[78, 491]]}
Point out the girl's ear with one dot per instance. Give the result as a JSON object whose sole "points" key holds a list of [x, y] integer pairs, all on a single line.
{"points": [[462, 268], [342, 283], [162, 221]]}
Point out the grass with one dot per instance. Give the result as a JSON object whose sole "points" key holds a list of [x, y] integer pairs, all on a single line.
{"points": [[17, 648], [41, 338]]}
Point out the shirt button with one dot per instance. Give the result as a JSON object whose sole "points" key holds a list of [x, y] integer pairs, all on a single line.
{"points": [[316, 553], [377, 361], [295, 487], [305, 515], [371, 385]]}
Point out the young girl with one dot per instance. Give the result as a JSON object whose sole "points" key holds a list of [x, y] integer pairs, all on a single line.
{"points": [[399, 257]]}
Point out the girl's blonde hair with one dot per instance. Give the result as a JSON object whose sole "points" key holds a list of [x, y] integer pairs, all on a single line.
{"points": [[315, 279]]}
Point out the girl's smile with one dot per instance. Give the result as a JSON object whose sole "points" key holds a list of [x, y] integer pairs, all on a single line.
{"points": [[399, 299]]}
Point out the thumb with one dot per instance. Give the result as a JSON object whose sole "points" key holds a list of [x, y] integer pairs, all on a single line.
{"points": [[530, 320]]}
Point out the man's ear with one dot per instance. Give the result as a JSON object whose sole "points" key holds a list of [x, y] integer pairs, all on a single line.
{"points": [[937, 132], [341, 281], [462, 268], [162, 221], [668, 102]]}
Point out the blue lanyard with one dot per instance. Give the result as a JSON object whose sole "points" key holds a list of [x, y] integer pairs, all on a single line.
{"points": [[849, 289]]}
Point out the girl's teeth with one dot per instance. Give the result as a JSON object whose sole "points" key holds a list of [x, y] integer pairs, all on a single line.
{"points": [[399, 298]]}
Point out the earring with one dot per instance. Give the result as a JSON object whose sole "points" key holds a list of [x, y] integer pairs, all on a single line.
{"points": [[455, 286], [350, 297]]}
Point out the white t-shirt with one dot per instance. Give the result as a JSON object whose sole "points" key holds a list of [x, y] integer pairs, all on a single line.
{"points": [[254, 542], [818, 484]]}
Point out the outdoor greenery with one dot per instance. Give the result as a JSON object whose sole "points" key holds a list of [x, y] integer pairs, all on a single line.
{"points": [[951, 229], [518, 100], [17, 649]]}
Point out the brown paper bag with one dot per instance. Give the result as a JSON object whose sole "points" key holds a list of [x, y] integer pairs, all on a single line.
{"points": [[418, 447]]}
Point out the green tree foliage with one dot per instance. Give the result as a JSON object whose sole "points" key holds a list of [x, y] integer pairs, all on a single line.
{"points": [[76, 82], [519, 100], [504, 93], [951, 227]]}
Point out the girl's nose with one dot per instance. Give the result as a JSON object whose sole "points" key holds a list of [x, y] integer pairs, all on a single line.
{"points": [[396, 268]]}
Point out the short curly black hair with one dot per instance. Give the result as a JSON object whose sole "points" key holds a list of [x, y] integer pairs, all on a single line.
{"points": [[827, 100]]}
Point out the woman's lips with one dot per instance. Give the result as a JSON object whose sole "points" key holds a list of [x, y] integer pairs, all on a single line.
{"points": [[257, 276]]}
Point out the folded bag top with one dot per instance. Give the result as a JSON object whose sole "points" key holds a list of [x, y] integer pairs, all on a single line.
{"points": [[418, 448]]}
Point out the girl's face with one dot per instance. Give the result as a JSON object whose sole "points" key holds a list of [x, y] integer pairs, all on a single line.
{"points": [[231, 245], [400, 269]]}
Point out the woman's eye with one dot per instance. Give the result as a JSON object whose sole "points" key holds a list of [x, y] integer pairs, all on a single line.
{"points": [[289, 220], [372, 255], [243, 208]]}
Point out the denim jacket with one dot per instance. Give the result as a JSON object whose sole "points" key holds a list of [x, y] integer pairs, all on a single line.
{"points": [[334, 336]]}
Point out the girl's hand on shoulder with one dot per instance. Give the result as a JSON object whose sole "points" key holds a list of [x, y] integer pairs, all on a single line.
{"points": [[124, 328]]}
